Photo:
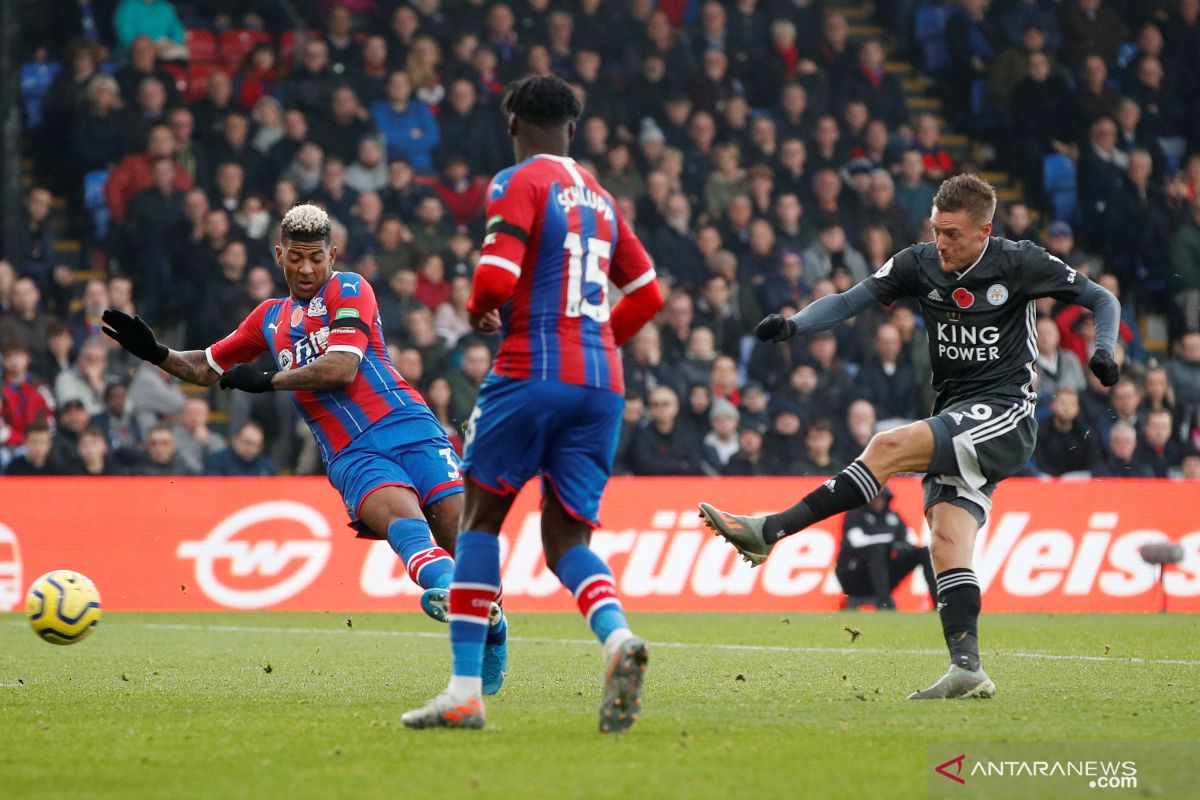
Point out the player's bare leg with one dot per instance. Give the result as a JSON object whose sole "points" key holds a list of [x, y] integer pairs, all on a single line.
{"points": [[584, 574], [908, 448], [954, 530]]}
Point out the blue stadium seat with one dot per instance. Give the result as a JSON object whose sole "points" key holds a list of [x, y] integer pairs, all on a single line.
{"points": [[1058, 173], [978, 91], [94, 202], [930, 30], [1065, 205], [36, 77]]}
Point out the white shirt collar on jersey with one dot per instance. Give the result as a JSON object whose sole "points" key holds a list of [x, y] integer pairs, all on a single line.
{"points": [[959, 275]]}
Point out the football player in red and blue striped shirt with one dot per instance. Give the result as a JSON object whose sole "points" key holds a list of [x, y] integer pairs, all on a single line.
{"points": [[383, 448], [552, 404]]}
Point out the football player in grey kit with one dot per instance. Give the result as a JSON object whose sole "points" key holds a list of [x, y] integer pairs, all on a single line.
{"points": [[977, 295]]}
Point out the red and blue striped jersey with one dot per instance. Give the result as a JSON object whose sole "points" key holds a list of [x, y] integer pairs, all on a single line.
{"points": [[553, 225], [342, 316]]}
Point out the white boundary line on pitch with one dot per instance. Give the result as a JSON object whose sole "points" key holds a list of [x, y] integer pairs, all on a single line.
{"points": [[749, 647]]}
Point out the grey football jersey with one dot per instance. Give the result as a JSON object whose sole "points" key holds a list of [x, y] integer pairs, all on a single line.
{"points": [[982, 336]]}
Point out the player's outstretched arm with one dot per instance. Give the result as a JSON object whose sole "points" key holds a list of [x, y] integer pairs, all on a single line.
{"points": [[331, 372], [133, 334], [817, 315], [1106, 315]]}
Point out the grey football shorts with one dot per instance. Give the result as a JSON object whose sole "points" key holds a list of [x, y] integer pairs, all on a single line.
{"points": [[977, 444]]}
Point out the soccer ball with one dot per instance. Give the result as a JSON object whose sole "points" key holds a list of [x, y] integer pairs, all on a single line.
{"points": [[63, 606]]}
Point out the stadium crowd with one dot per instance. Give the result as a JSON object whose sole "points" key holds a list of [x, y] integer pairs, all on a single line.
{"points": [[764, 156]]}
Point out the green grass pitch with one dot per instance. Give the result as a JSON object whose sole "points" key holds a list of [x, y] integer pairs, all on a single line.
{"points": [[268, 705]]}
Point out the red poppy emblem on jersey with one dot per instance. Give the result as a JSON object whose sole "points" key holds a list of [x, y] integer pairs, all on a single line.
{"points": [[298, 314], [963, 298]]}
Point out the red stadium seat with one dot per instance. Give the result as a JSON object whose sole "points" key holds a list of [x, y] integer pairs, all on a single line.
{"points": [[237, 43], [201, 44]]}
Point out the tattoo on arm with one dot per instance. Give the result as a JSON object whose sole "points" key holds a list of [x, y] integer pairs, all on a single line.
{"points": [[191, 366], [329, 372]]}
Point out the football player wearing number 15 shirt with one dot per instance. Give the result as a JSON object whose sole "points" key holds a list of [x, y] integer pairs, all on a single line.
{"points": [[384, 450], [552, 404]]}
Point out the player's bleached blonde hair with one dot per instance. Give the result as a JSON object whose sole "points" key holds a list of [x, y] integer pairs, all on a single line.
{"points": [[306, 223]]}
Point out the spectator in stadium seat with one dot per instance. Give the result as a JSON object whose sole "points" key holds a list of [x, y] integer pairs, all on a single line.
{"points": [[229, 185], [209, 111], [694, 410], [311, 85], [223, 298], [462, 195], [1138, 226], [344, 49], [117, 423], [1043, 119], [133, 174], [24, 399], [1189, 464], [1184, 370], [1132, 135], [1161, 112], [407, 124], [1091, 26], [937, 159], [244, 457], [1095, 97], [305, 171], [832, 252], [1121, 461], [643, 367], [92, 456], [1100, 170], [887, 382], [143, 63], [674, 247], [340, 132], [748, 460], [721, 443], [38, 459], [665, 447], [853, 433], [194, 440], [716, 311], [1014, 17], [913, 193], [873, 85], [1057, 368], [817, 458], [154, 214], [881, 209], [368, 172], [85, 382], [36, 237], [785, 286], [190, 154], [1158, 447], [696, 364], [162, 458], [726, 181], [155, 395], [1064, 443], [233, 146], [465, 381], [1185, 268], [783, 442], [333, 194], [98, 133], [155, 19], [282, 153]]}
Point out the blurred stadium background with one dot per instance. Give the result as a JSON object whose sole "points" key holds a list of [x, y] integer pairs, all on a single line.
{"points": [[767, 153]]}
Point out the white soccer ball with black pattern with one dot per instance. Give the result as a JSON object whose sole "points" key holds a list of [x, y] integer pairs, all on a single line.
{"points": [[63, 607]]}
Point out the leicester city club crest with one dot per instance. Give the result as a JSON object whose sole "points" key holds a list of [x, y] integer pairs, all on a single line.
{"points": [[997, 293]]}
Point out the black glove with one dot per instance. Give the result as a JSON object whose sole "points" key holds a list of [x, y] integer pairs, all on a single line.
{"points": [[134, 335], [248, 378], [1104, 367], [775, 328]]}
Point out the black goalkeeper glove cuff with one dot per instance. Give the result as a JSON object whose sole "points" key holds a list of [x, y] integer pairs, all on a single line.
{"points": [[134, 335], [775, 328], [248, 378], [1104, 366]]}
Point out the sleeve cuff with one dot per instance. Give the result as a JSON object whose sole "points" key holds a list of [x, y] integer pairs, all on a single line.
{"points": [[501, 262], [212, 362], [345, 348], [639, 281]]}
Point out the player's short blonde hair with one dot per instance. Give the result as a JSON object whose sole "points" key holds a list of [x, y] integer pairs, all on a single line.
{"points": [[306, 223], [967, 192]]}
